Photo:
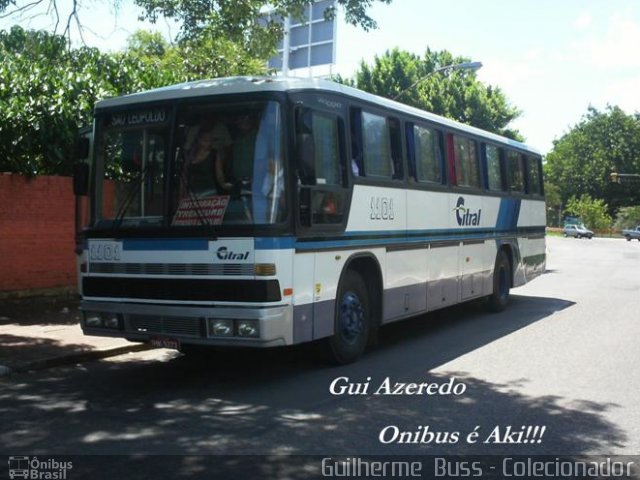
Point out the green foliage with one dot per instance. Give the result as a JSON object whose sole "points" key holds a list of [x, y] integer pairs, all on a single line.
{"points": [[47, 91], [158, 63], [554, 204], [627, 217], [458, 94], [593, 212], [582, 160], [237, 20]]}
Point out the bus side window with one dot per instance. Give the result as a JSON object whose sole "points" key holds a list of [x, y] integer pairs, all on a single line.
{"points": [[538, 161], [396, 149], [376, 146], [515, 172], [451, 155], [326, 142], [320, 141], [425, 147], [466, 162], [357, 164], [493, 168], [305, 147], [411, 151], [534, 183]]}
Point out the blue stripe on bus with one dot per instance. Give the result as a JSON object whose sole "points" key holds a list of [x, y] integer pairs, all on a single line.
{"points": [[508, 214], [406, 237], [506, 224], [274, 243], [166, 244]]}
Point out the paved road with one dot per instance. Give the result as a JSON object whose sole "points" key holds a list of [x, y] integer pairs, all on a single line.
{"points": [[564, 356]]}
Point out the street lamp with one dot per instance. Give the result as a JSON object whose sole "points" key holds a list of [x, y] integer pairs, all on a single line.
{"points": [[620, 178], [446, 69]]}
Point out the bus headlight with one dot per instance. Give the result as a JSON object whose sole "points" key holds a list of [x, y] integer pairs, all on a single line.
{"points": [[248, 328], [93, 319], [220, 327], [111, 320], [102, 320]]}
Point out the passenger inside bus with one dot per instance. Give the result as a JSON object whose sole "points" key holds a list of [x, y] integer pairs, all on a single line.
{"points": [[206, 147]]}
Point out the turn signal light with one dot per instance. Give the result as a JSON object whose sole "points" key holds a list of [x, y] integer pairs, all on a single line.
{"points": [[265, 269]]}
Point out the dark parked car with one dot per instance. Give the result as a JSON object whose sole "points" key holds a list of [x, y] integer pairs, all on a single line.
{"points": [[577, 231]]}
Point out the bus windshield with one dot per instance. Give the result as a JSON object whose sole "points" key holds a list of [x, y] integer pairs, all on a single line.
{"points": [[226, 167]]}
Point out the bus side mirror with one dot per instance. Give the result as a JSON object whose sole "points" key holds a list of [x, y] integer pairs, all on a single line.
{"points": [[81, 179]]}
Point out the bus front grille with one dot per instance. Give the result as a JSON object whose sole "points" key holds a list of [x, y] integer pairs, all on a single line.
{"points": [[194, 269], [182, 289], [184, 326]]}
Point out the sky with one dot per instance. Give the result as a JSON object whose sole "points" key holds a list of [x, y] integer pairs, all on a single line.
{"points": [[551, 58]]}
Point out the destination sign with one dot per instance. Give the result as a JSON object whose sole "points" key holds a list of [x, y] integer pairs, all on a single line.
{"points": [[150, 116]]}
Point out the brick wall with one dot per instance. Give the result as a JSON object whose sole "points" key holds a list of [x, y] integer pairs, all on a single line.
{"points": [[36, 233]]}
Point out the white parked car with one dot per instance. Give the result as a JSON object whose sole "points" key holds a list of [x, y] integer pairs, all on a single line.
{"points": [[577, 231]]}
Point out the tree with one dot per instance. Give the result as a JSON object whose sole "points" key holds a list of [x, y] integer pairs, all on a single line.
{"points": [[628, 217], [593, 212], [458, 95], [159, 63], [553, 203], [240, 19], [47, 91], [236, 20], [582, 160]]}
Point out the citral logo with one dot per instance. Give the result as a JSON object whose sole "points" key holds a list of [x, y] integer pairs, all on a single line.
{"points": [[224, 254], [464, 216]]}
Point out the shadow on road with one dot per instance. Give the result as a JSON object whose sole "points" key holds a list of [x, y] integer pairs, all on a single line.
{"points": [[39, 311], [18, 351], [277, 401]]}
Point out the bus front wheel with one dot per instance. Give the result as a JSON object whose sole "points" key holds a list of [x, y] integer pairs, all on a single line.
{"points": [[352, 321], [498, 300]]}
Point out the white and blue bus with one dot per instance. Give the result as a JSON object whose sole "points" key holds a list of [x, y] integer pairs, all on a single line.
{"points": [[274, 211]]}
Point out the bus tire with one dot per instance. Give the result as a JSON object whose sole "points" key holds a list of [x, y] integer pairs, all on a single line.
{"points": [[352, 320], [499, 298]]}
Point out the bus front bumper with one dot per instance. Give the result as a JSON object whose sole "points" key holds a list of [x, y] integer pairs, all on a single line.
{"points": [[197, 325]]}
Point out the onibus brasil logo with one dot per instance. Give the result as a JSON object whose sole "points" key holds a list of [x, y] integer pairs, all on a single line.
{"points": [[33, 468], [465, 216]]}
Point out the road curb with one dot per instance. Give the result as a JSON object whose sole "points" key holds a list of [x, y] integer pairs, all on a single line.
{"points": [[78, 357]]}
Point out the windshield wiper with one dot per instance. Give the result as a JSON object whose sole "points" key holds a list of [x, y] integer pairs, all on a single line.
{"points": [[131, 193]]}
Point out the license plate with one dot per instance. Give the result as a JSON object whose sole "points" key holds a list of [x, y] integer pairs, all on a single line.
{"points": [[165, 343]]}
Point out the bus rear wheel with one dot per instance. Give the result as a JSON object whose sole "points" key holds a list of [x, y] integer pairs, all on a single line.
{"points": [[352, 321], [499, 299]]}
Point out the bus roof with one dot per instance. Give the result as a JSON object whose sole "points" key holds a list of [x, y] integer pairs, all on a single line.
{"points": [[236, 85]]}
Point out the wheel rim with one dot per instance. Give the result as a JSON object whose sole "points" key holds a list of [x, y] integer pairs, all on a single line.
{"points": [[351, 318]]}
